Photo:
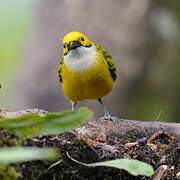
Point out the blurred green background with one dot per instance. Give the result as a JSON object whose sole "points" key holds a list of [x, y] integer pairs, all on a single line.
{"points": [[143, 37], [14, 19]]}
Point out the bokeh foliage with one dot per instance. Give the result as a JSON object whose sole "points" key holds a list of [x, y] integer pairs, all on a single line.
{"points": [[156, 94], [14, 19]]}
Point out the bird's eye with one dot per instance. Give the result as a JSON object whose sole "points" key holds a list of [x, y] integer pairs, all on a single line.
{"points": [[64, 46], [82, 39]]}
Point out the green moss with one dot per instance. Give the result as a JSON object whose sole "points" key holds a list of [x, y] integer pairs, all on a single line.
{"points": [[161, 150]]}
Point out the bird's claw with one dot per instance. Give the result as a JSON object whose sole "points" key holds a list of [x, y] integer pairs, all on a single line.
{"points": [[109, 117]]}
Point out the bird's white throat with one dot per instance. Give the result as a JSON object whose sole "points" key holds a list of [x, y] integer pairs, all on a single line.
{"points": [[81, 58]]}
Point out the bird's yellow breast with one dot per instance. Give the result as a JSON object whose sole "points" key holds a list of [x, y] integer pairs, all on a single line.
{"points": [[92, 83]]}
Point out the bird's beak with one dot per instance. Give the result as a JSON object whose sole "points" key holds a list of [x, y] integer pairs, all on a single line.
{"points": [[73, 45]]}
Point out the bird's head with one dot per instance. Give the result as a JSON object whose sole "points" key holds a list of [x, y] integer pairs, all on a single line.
{"points": [[74, 40]]}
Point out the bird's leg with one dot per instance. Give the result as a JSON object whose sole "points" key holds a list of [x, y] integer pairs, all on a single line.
{"points": [[107, 115], [73, 104], [105, 110]]}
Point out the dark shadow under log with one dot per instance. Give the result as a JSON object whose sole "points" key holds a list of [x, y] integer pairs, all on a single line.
{"points": [[153, 142]]}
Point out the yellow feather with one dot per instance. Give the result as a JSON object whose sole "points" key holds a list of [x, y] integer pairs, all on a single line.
{"points": [[93, 83]]}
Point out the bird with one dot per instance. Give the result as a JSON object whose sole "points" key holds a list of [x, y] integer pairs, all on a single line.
{"points": [[86, 71]]}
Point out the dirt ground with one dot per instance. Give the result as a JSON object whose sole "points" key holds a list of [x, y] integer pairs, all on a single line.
{"points": [[101, 140]]}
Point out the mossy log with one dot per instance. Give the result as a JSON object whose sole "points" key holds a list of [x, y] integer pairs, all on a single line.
{"points": [[153, 142]]}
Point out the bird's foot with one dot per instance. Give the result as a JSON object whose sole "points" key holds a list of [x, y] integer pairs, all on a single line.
{"points": [[108, 117]]}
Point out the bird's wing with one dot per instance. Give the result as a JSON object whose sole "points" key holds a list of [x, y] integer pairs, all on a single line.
{"points": [[61, 63], [109, 60]]}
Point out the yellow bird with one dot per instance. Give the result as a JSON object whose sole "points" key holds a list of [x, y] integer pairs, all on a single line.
{"points": [[86, 70]]}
